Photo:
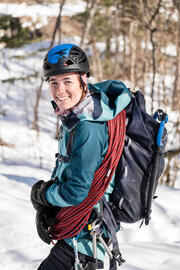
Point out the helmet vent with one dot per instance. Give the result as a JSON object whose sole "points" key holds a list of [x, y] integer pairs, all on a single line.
{"points": [[69, 62], [75, 51], [47, 67], [82, 60]]}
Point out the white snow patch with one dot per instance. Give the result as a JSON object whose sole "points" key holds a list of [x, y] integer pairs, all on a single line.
{"points": [[40, 11]]}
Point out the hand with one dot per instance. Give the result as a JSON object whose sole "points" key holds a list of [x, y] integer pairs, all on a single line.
{"points": [[38, 197], [45, 217]]}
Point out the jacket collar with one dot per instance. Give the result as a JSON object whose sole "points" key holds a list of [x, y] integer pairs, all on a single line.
{"points": [[104, 101]]}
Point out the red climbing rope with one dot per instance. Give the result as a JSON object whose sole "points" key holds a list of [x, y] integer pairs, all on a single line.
{"points": [[71, 220]]}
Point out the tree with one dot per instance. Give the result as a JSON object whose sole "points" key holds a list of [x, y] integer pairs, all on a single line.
{"points": [[176, 88], [148, 13], [58, 24], [91, 8], [57, 27], [35, 124]]}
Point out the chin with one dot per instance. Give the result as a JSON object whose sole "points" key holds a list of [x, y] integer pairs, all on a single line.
{"points": [[63, 107]]}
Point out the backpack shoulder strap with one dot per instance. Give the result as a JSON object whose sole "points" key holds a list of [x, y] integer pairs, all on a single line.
{"points": [[70, 141]]}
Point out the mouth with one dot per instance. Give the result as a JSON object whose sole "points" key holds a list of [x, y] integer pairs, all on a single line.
{"points": [[61, 99]]}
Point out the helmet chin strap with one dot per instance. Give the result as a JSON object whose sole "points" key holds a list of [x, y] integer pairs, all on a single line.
{"points": [[83, 84]]}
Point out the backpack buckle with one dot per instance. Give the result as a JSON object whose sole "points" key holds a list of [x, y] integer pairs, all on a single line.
{"points": [[62, 158]]}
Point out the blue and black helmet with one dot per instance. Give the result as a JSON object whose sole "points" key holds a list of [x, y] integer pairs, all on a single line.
{"points": [[65, 58]]}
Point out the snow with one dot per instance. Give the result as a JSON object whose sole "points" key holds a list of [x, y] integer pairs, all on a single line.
{"points": [[153, 247], [43, 10], [170, 50], [156, 246]]}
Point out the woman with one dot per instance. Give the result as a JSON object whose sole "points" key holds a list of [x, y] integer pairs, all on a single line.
{"points": [[84, 110]]}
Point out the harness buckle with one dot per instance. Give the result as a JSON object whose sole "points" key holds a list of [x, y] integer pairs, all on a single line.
{"points": [[118, 257]]}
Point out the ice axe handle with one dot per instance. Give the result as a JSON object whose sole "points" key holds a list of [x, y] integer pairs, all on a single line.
{"points": [[163, 118]]}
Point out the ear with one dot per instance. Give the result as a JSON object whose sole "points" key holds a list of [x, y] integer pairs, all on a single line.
{"points": [[83, 80]]}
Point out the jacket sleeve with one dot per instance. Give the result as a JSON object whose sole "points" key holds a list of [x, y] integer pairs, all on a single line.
{"points": [[89, 148]]}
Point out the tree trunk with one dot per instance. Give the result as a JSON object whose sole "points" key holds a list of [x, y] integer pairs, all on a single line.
{"points": [[153, 67], [170, 155], [58, 24], [96, 62], [176, 88], [145, 67], [164, 100], [116, 21], [26, 108], [133, 46], [35, 124], [124, 50], [148, 23], [91, 10]]}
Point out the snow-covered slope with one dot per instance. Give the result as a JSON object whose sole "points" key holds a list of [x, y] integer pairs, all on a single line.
{"points": [[41, 11], [156, 247]]}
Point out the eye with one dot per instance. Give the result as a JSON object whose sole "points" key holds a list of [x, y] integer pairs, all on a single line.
{"points": [[53, 83], [68, 82]]}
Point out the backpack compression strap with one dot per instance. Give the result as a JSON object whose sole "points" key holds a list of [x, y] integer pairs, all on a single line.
{"points": [[71, 220]]}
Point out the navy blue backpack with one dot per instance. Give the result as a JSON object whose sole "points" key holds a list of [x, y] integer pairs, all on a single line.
{"points": [[138, 172], [141, 163]]}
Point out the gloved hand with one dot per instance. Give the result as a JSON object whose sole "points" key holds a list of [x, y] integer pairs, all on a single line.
{"points": [[38, 197], [45, 217]]}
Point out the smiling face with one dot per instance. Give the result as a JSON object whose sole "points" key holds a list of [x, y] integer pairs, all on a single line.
{"points": [[66, 90]]}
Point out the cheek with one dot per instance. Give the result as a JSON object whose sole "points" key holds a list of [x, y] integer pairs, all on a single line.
{"points": [[52, 92], [79, 93], [77, 97]]}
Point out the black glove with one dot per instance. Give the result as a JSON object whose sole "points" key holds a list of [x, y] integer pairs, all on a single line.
{"points": [[38, 197], [45, 217]]}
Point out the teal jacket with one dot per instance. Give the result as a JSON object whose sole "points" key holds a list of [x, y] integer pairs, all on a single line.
{"points": [[90, 143]]}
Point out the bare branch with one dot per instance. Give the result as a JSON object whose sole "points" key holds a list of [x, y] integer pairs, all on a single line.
{"points": [[155, 12], [171, 153], [58, 23]]}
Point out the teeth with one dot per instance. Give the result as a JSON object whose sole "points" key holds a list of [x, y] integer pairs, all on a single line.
{"points": [[62, 98]]}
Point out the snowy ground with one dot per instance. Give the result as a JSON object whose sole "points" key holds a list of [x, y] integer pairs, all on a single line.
{"points": [[156, 247], [41, 11]]}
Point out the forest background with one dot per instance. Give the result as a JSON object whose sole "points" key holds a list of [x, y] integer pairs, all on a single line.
{"points": [[134, 41]]}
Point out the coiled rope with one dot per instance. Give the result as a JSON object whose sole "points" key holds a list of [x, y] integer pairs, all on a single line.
{"points": [[71, 220]]}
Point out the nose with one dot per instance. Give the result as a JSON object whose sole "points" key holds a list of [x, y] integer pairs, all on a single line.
{"points": [[60, 88]]}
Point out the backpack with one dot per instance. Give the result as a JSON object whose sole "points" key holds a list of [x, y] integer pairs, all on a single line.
{"points": [[139, 169], [135, 179]]}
